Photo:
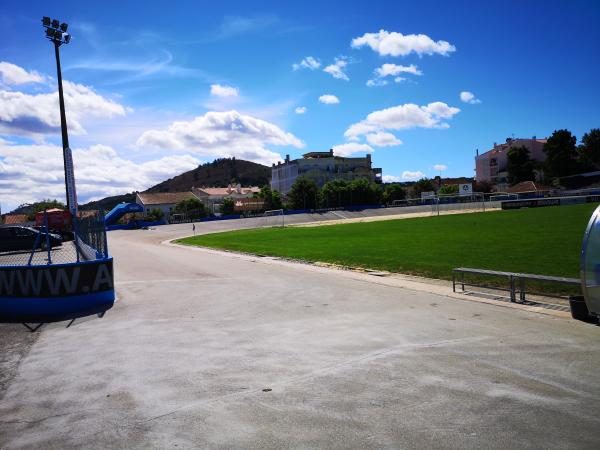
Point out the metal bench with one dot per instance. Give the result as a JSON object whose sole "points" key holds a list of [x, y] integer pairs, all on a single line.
{"points": [[530, 276], [497, 273], [513, 278]]}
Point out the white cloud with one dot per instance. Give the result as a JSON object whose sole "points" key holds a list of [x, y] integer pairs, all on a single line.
{"points": [[383, 139], [219, 90], [132, 69], [223, 134], [12, 75], [390, 179], [469, 97], [392, 70], [412, 176], [329, 99], [402, 117], [376, 82], [397, 44], [336, 70], [33, 172], [360, 128], [300, 110], [440, 167], [307, 63], [351, 148], [38, 115]]}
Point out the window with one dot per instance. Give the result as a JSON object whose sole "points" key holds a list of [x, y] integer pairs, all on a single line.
{"points": [[23, 232]]}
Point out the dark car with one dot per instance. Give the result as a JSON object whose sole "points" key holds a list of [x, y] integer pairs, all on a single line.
{"points": [[25, 238]]}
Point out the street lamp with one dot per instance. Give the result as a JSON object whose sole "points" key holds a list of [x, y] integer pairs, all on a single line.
{"points": [[56, 32]]}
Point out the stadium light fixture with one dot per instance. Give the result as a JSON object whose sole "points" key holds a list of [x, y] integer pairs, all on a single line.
{"points": [[56, 32]]}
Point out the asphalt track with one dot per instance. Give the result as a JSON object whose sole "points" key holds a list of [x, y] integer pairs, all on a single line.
{"points": [[209, 350]]}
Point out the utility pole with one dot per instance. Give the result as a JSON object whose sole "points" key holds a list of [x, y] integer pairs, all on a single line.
{"points": [[56, 32]]}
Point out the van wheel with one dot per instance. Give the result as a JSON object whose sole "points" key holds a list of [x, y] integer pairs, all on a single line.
{"points": [[44, 246]]}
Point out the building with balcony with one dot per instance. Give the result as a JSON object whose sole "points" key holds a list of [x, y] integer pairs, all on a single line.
{"points": [[491, 165], [321, 167]]}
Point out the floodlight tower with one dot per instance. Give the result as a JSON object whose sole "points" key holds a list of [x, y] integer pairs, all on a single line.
{"points": [[56, 32]]}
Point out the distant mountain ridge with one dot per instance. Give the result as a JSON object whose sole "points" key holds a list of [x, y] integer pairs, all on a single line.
{"points": [[219, 173]]}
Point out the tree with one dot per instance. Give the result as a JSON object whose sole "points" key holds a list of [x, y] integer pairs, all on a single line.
{"points": [[303, 194], [561, 154], [392, 192], [483, 186], [449, 189], [155, 215], [192, 208], [335, 193], [227, 206], [271, 198], [519, 165], [423, 185], [589, 151], [364, 192], [44, 205]]}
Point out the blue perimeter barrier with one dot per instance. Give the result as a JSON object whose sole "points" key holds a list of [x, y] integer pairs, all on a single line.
{"points": [[40, 290]]}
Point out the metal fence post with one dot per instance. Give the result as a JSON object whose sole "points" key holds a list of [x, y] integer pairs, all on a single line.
{"points": [[105, 237], [48, 246], [513, 296], [75, 235]]}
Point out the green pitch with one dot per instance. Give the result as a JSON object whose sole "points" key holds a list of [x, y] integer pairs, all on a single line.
{"points": [[542, 240]]}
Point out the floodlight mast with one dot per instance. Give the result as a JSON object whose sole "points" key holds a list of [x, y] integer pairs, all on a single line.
{"points": [[57, 34]]}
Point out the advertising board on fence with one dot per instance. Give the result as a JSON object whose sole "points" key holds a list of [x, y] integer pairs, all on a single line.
{"points": [[57, 279], [52, 293], [465, 189], [554, 201]]}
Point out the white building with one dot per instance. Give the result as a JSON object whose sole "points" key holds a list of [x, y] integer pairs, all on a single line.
{"points": [[321, 167], [164, 201]]}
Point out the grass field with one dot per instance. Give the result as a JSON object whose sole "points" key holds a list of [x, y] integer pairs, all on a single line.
{"points": [[541, 240]]}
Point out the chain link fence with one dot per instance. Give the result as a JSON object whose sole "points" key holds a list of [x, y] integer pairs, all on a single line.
{"points": [[29, 244]]}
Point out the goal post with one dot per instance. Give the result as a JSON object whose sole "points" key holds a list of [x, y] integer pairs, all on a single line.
{"points": [[274, 218]]}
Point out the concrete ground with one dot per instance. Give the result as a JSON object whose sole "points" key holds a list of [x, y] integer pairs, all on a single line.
{"points": [[210, 350]]}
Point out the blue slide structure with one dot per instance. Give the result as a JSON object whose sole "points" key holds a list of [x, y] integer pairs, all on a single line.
{"points": [[120, 210]]}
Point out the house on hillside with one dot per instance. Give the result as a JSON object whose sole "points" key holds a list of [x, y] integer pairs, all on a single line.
{"points": [[491, 165], [214, 196], [164, 201], [529, 187], [321, 167], [16, 219]]}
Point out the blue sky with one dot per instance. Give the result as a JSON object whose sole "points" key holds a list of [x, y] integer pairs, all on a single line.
{"points": [[156, 88]]}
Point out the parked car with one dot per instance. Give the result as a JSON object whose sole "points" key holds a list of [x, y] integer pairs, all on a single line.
{"points": [[25, 238]]}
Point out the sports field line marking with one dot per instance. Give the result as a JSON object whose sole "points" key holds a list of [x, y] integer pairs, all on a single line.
{"points": [[177, 280]]}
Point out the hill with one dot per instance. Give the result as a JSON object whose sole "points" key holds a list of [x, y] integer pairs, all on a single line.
{"points": [[218, 173], [108, 203]]}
